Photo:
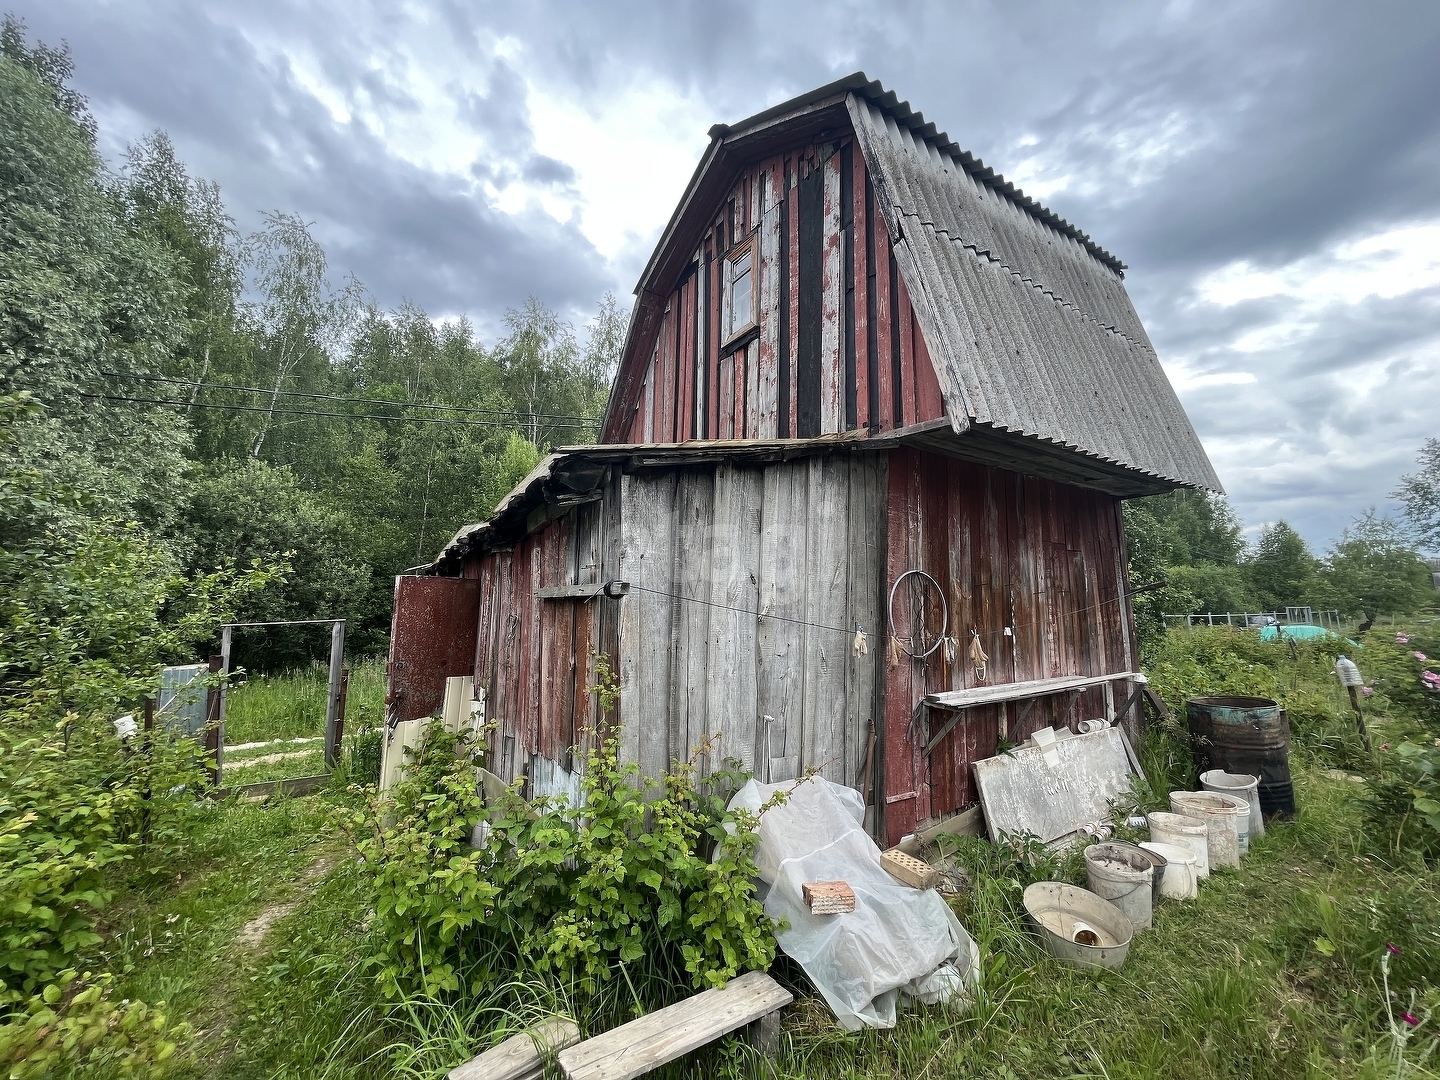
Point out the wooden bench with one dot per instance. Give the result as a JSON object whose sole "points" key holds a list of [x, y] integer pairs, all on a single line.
{"points": [[651, 1041], [520, 1056]]}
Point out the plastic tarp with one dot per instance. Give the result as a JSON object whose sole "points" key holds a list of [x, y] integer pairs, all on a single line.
{"points": [[898, 939], [1302, 633]]}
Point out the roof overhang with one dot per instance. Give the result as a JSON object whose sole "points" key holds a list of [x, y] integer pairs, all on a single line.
{"points": [[574, 475]]}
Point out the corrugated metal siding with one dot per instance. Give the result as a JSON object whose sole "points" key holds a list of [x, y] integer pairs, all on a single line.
{"points": [[1031, 331], [1043, 558]]}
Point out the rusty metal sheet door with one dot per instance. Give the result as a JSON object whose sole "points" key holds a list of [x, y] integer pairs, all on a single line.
{"points": [[432, 637]]}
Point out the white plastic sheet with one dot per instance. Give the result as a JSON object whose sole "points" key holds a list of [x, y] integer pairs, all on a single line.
{"points": [[898, 939]]}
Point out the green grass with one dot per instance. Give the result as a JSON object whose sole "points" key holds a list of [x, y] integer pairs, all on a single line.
{"points": [[292, 705], [1272, 972], [274, 709]]}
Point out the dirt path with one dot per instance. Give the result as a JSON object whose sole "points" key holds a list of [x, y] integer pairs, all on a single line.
{"points": [[252, 935], [268, 759]]}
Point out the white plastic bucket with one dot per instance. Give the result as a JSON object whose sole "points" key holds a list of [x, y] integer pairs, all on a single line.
{"points": [[1185, 831], [1122, 874], [1179, 882], [1227, 817], [1241, 785]]}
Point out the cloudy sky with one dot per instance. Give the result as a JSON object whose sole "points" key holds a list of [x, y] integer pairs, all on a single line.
{"points": [[1270, 172]]}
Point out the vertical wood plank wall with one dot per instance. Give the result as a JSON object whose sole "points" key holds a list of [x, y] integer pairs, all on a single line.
{"points": [[708, 549], [1043, 558], [533, 656], [837, 345], [747, 584], [705, 550]]}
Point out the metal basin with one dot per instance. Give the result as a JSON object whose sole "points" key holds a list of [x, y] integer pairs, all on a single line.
{"points": [[1062, 913]]}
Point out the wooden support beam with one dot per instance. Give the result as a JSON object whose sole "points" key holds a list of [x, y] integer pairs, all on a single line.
{"points": [[296, 785], [612, 589]]}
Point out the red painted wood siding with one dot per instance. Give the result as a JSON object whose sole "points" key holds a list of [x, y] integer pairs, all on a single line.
{"points": [[1046, 560], [533, 656], [739, 395]]}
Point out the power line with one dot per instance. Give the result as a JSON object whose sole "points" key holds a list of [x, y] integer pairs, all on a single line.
{"points": [[356, 400], [332, 415]]}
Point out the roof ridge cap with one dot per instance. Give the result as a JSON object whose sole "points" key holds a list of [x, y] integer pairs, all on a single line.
{"points": [[890, 104]]}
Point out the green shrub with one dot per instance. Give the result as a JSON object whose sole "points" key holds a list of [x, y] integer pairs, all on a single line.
{"points": [[1403, 801], [575, 895], [1211, 661], [74, 1019], [87, 619], [1391, 664]]}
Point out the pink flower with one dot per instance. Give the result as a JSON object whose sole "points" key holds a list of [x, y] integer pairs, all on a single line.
{"points": [[1421, 657], [1401, 639], [1410, 1019], [1366, 691], [1391, 949]]}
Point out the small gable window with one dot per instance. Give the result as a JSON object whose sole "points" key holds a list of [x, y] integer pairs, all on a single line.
{"points": [[741, 292]]}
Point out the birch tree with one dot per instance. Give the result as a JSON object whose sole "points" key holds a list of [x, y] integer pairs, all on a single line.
{"points": [[297, 316]]}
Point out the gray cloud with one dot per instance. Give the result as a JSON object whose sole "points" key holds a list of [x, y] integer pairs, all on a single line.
{"points": [[1184, 136]]}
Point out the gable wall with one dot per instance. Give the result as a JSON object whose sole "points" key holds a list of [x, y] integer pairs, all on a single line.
{"points": [[838, 346]]}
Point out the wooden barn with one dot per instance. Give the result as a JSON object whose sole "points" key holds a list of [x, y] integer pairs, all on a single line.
{"points": [[858, 491]]}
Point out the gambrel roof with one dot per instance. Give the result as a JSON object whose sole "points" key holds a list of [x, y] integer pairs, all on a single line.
{"points": [[1041, 357]]}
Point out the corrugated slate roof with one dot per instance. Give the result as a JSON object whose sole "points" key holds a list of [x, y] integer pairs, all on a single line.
{"points": [[1027, 320], [1036, 345]]}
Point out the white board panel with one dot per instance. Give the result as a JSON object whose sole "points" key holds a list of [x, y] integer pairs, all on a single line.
{"points": [[1021, 793]]}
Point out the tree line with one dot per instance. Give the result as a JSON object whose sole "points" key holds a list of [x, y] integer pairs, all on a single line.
{"points": [[1194, 542], [234, 398]]}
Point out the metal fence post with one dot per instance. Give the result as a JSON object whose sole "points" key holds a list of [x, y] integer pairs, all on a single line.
{"points": [[335, 698], [214, 738]]}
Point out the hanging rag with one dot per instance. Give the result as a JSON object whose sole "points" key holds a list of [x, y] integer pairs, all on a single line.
{"points": [[861, 645], [978, 659]]}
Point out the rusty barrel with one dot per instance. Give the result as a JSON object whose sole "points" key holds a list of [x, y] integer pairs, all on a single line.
{"points": [[1245, 735]]}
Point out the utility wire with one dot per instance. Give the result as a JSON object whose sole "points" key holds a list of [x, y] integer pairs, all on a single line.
{"points": [[357, 400], [332, 415]]}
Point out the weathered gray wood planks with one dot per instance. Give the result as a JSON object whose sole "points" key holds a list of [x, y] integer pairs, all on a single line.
{"points": [[733, 596], [694, 544], [647, 561], [780, 639], [520, 1056], [649, 1042]]}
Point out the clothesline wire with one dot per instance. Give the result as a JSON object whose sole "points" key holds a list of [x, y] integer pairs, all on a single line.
{"points": [[840, 629], [742, 611]]}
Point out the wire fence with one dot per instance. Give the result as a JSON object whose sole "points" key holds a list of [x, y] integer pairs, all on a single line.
{"points": [[1291, 616]]}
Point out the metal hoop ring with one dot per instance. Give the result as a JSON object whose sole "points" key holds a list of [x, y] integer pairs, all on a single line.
{"points": [[944, 613]]}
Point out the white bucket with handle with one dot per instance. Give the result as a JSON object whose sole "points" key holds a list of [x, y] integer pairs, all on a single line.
{"points": [[1179, 880]]}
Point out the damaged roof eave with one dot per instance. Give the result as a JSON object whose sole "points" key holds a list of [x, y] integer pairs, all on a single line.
{"points": [[576, 474]]}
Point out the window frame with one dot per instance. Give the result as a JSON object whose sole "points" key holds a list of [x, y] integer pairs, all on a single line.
{"points": [[732, 334]]}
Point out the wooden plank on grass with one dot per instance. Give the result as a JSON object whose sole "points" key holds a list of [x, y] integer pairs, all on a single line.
{"points": [[649, 1042], [520, 1056]]}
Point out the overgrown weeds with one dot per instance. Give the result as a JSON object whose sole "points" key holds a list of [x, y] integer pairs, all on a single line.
{"points": [[640, 895]]}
